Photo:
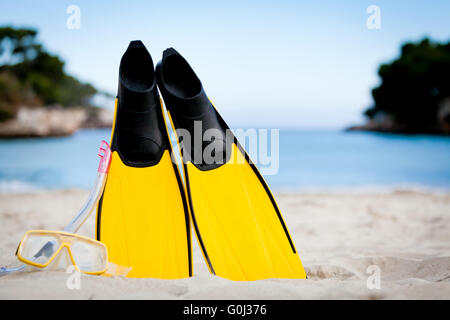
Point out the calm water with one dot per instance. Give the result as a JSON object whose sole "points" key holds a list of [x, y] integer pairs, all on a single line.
{"points": [[308, 159]]}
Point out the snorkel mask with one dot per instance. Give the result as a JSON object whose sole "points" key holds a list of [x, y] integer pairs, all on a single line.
{"points": [[44, 248]]}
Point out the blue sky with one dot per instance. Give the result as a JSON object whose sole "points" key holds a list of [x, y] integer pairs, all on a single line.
{"points": [[304, 64]]}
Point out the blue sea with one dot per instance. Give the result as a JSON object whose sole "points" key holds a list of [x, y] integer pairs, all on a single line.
{"points": [[307, 160]]}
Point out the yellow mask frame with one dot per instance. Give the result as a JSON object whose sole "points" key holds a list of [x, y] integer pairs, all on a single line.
{"points": [[65, 241]]}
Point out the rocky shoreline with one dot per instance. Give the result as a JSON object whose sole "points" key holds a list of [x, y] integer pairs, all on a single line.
{"points": [[385, 123], [34, 122], [396, 129]]}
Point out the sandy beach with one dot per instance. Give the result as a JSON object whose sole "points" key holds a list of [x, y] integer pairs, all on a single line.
{"points": [[404, 233]]}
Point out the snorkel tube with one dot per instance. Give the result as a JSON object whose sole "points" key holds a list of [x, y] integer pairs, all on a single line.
{"points": [[104, 153], [90, 205]]}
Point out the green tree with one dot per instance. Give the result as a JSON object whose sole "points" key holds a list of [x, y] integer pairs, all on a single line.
{"points": [[17, 45], [30, 75], [414, 86]]}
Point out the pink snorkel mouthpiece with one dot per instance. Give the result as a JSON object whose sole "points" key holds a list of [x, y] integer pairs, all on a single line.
{"points": [[104, 152]]}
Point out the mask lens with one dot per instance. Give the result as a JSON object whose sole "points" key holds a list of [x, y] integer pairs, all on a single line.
{"points": [[39, 248], [89, 256]]}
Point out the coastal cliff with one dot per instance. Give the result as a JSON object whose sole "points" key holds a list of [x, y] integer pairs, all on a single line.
{"points": [[38, 98], [54, 121], [383, 122]]}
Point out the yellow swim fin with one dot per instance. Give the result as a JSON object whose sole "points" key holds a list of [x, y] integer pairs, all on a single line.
{"points": [[238, 224], [143, 215]]}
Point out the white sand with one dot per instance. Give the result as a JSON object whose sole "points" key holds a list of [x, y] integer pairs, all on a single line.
{"points": [[405, 233]]}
